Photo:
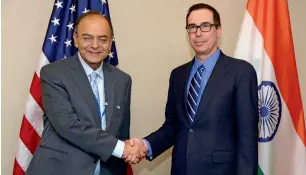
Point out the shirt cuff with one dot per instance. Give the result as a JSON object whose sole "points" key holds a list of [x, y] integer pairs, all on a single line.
{"points": [[118, 151], [150, 153]]}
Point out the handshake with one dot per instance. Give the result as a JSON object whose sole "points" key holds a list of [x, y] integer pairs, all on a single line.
{"points": [[134, 150]]}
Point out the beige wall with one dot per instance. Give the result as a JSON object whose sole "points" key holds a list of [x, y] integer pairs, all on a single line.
{"points": [[151, 41]]}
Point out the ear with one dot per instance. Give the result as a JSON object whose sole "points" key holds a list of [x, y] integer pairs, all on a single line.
{"points": [[110, 43], [219, 31], [75, 39]]}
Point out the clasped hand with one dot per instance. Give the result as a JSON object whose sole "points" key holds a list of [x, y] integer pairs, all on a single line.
{"points": [[134, 150]]}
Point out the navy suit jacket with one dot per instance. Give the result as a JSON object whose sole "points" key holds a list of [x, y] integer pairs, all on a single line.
{"points": [[223, 137]]}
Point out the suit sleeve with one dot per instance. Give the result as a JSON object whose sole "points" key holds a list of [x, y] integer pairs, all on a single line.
{"points": [[164, 137], [67, 124], [247, 122]]}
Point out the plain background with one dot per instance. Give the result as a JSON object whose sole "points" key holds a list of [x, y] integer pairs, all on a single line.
{"points": [[151, 41]]}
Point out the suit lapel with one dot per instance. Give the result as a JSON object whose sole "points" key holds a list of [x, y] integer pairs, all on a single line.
{"points": [[110, 89], [217, 76], [79, 76]]}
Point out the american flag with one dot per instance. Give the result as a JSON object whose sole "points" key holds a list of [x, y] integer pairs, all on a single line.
{"points": [[58, 44]]}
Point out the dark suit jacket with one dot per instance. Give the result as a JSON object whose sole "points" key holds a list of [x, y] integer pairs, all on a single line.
{"points": [[72, 140], [222, 140]]}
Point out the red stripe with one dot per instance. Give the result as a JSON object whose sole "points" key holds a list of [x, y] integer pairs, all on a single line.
{"points": [[35, 90], [17, 169], [28, 135], [271, 17]]}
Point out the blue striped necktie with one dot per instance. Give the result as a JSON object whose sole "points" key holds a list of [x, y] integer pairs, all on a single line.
{"points": [[193, 93]]}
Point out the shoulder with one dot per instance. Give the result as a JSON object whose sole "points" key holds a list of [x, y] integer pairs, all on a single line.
{"points": [[117, 72], [239, 66], [57, 66], [178, 71]]}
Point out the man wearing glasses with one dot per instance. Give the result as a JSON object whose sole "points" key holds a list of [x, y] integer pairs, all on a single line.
{"points": [[212, 107]]}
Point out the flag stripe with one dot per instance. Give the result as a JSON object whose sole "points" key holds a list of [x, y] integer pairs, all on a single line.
{"points": [[259, 171], [24, 156], [28, 135], [43, 61], [34, 115], [35, 90], [269, 17], [17, 169]]}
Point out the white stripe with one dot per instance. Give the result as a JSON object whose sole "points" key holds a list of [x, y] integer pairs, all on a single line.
{"points": [[23, 156], [199, 75], [192, 98], [34, 115], [190, 117], [196, 82], [285, 154], [194, 89], [190, 107], [43, 61]]}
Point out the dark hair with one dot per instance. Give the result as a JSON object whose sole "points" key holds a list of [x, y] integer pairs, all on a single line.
{"points": [[216, 15], [93, 13]]}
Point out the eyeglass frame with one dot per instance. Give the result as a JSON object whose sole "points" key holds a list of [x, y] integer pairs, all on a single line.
{"points": [[199, 26]]}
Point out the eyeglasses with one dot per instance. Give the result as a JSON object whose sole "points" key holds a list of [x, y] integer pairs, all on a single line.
{"points": [[204, 27]]}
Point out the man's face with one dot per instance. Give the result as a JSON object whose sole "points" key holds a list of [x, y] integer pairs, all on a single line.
{"points": [[93, 39], [203, 43]]}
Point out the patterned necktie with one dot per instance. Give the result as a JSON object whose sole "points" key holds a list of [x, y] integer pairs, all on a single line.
{"points": [[93, 83], [193, 93]]}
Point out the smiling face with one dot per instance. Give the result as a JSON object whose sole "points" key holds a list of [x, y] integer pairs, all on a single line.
{"points": [[93, 39], [203, 43]]}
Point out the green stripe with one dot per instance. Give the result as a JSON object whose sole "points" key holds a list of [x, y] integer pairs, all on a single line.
{"points": [[259, 171]]}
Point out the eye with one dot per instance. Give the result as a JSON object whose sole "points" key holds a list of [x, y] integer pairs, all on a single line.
{"points": [[87, 38], [191, 26], [205, 25], [102, 40]]}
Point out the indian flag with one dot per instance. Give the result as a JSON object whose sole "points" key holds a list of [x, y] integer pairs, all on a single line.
{"points": [[266, 42]]}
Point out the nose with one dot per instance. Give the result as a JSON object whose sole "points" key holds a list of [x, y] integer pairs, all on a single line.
{"points": [[95, 44], [198, 32]]}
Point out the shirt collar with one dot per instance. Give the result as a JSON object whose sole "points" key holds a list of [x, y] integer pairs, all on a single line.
{"points": [[209, 63], [88, 70]]}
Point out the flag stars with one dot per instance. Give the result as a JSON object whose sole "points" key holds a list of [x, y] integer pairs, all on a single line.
{"points": [[72, 8], [111, 54], [103, 2], [55, 21], [53, 38], [85, 10], [68, 42], [70, 26], [59, 4]]}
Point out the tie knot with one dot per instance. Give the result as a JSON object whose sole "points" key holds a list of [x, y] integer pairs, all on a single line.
{"points": [[201, 68], [93, 77]]}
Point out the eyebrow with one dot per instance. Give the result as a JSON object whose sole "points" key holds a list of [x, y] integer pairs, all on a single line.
{"points": [[206, 22], [102, 36]]}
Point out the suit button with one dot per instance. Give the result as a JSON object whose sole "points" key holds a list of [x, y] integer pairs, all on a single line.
{"points": [[190, 130]]}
